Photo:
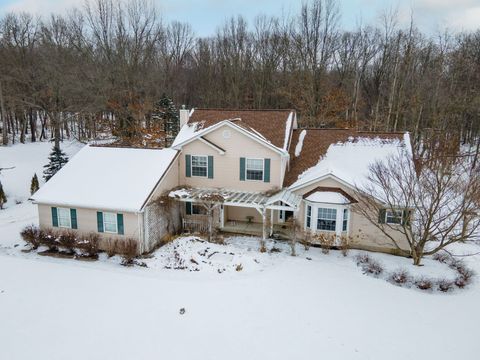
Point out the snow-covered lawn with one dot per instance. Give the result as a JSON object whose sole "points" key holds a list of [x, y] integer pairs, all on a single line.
{"points": [[277, 307]]}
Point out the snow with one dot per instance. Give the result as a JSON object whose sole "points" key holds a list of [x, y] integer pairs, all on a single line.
{"points": [[186, 132], [277, 307], [350, 161], [107, 178], [27, 159], [299, 146], [288, 129], [329, 197]]}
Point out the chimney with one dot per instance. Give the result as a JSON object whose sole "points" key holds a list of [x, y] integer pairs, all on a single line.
{"points": [[183, 116]]}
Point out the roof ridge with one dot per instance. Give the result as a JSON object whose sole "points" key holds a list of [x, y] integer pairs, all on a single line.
{"points": [[233, 109]]}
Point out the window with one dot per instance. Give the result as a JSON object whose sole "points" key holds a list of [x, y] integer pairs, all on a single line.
{"points": [[345, 220], [198, 209], [110, 222], [393, 216], [254, 169], [199, 165], [326, 219], [64, 219], [309, 216]]}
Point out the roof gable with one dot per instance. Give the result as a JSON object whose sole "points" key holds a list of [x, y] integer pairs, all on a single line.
{"points": [[274, 126]]}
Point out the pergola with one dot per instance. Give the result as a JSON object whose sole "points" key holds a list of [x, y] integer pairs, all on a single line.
{"points": [[282, 200]]}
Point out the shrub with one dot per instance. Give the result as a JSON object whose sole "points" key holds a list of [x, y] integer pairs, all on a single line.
{"points": [[263, 248], [48, 237], [460, 282], [67, 239], [362, 259], [344, 245], [275, 250], [372, 267], [89, 244], [30, 234], [111, 246], [445, 285], [423, 284], [441, 257], [239, 267], [400, 277], [128, 249]]}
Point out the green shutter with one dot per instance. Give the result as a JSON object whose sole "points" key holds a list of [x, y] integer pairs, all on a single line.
{"points": [[188, 208], [188, 166], [120, 224], [210, 167], [266, 170], [242, 169], [99, 221], [54, 217], [381, 216], [73, 218]]}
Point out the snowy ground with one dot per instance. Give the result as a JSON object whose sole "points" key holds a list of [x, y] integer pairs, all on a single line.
{"points": [[277, 307]]}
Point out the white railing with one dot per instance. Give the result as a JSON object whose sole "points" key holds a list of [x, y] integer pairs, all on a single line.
{"points": [[195, 225]]}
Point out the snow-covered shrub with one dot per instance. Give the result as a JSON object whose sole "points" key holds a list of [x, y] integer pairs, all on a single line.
{"points": [[442, 257], [445, 285], [67, 239], [344, 245], [128, 248], [462, 270], [89, 244], [460, 282], [372, 267], [362, 259], [30, 234], [400, 277], [423, 283], [239, 267]]}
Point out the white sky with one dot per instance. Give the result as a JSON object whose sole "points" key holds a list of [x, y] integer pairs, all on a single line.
{"points": [[206, 15]]}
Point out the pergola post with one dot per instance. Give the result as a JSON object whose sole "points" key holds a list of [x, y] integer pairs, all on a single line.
{"points": [[271, 222]]}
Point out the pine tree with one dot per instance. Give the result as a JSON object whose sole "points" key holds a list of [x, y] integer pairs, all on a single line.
{"points": [[3, 197], [166, 115], [57, 159], [34, 185]]}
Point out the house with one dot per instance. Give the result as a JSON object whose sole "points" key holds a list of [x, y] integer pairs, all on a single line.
{"points": [[262, 168]]}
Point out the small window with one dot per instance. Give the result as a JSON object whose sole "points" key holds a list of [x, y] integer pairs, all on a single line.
{"points": [[254, 168], [64, 219], [326, 219], [199, 165], [393, 216], [198, 209], [110, 222], [345, 220], [309, 216]]}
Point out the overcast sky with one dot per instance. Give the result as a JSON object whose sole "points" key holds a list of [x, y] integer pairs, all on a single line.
{"points": [[205, 15]]}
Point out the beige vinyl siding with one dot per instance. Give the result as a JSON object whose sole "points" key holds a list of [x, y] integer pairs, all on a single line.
{"points": [[362, 233], [169, 180], [227, 166], [87, 222]]}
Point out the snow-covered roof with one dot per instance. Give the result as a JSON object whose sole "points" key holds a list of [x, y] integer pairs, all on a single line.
{"points": [[329, 197], [349, 160], [107, 178]]}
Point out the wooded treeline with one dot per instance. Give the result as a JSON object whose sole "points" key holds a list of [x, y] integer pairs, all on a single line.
{"points": [[101, 68]]}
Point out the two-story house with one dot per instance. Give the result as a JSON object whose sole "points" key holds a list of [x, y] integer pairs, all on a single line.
{"points": [[265, 169]]}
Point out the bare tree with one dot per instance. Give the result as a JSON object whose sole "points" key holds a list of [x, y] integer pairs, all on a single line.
{"points": [[428, 207]]}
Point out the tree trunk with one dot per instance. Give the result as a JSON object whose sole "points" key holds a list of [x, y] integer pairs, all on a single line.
{"points": [[3, 115]]}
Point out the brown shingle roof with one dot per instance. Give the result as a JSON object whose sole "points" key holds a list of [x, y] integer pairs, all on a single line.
{"points": [[316, 143], [270, 124]]}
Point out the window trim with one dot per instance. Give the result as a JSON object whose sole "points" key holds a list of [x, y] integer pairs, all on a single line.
{"points": [[308, 217], [69, 217], [116, 222], [336, 223], [246, 169], [206, 166], [394, 211]]}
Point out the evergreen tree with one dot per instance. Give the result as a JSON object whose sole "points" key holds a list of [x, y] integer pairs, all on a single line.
{"points": [[3, 197], [165, 114], [34, 185], [57, 159]]}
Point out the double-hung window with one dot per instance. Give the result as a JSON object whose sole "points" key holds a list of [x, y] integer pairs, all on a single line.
{"points": [[110, 222], [254, 169], [326, 219], [393, 216], [64, 219], [345, 220], [309, 217], [199, 165]]}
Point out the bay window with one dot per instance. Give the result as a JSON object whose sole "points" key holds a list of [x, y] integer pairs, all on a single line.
{"points": [[326, 219]]}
